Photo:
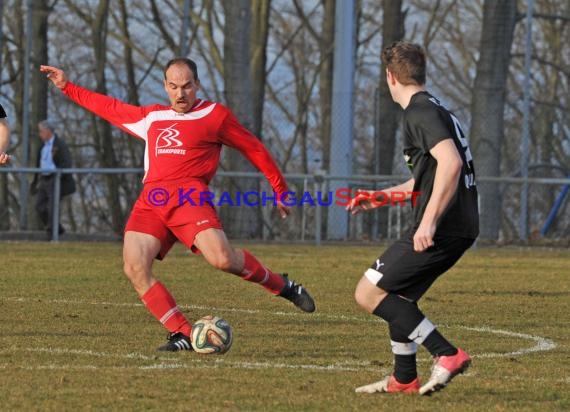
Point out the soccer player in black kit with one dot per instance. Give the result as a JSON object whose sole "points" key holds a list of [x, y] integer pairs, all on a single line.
{"points": [[4, 137], [446, 223]]}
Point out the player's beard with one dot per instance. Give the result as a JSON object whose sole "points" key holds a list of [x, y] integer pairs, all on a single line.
{"points": [[182, 105]]}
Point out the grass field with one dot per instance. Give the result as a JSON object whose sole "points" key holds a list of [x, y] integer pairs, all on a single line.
{"points": [[74, 336]]}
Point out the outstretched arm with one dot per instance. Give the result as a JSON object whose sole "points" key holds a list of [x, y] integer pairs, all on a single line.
{"points": [[371, 199], [235, 135], [113, 110], [57, 76]]}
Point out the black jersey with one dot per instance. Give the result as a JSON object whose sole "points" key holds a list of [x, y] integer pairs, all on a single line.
{"points": [[426, 123], [2, 112]]}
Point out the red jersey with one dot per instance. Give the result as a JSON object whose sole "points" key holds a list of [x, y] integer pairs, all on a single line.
{"points": [[181, 147]]}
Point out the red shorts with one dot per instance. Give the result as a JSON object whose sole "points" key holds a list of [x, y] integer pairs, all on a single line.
{"points": [[163, 213]]}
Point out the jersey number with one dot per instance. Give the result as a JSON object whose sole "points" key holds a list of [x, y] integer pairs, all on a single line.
{"points": [[469, 177]]}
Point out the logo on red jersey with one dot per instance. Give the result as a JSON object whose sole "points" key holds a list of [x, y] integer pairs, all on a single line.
{"points": [[167, 142]]}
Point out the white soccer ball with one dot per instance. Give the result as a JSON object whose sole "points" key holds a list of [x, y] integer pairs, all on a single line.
{"points": [[211, 334]]}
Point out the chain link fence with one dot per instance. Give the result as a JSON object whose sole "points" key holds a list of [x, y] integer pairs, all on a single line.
{"points": [[92, 213]]}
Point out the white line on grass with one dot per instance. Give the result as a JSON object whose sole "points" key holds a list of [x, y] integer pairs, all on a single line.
{"points": [[170, 366], [201, 362], [167, 366], [541, 344]]}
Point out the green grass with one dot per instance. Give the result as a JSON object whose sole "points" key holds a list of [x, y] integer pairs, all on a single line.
{"points": [[75, 337]]}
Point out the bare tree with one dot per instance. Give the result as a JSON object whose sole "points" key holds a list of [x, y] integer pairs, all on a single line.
{"points": [[549, 154], [39, 55], [135, 147], [303, 35], [289, 62], [260, 11], [102, 132], [488, 106], [393, 29], [39, 87], [240, 96], [388, 114], [325, 41]]}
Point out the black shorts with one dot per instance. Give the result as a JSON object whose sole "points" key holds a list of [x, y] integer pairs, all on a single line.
{"points": [[408, 273]]}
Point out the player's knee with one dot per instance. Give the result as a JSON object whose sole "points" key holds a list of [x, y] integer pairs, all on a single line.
{"points": [[361, 299], [367, 298], [223, 261], [133, 269], [139, 276]]}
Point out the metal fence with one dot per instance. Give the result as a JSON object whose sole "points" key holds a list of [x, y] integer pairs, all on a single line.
{"points": [[88, 211]]}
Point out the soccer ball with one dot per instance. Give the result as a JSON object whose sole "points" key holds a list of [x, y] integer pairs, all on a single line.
{"points": [[211, 334]]}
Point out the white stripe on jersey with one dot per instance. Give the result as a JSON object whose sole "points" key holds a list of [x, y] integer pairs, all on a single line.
{"points": [[141, 127]]}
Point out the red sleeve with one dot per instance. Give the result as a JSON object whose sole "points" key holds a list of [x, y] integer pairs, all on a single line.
{"points": [[233, 134], [106, 107]]}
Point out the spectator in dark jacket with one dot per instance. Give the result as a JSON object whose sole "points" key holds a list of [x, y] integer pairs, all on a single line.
{"points": [[53, 154]]}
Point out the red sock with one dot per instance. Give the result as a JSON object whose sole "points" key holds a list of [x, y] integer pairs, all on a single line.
{"points": [[254, 271], [162, 306]]}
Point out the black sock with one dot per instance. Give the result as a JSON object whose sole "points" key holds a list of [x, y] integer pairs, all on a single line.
{"points": [[399, 312], [407, 318], [404, 350], [437, 345], [405, 368]]}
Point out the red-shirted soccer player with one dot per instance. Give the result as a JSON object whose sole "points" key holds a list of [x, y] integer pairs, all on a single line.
{"points": [[183, 144]]}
